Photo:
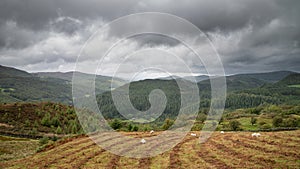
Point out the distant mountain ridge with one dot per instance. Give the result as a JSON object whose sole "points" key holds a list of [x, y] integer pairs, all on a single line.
{"points": [[13, 72], [292, 79], [103, 83], [270, 77], [18, 85], [235, 82], [69, 75]]}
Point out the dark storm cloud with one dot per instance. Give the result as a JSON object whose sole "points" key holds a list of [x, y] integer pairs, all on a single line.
{"points": [[207, 15], [247, 34], [36, 14], [42, 15]]}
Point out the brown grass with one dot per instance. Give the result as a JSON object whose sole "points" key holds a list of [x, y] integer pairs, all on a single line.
{"points": [[229, 150]]}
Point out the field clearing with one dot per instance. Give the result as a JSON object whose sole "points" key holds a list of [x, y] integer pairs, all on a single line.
{"points": [[297, 86], [228, 150]]}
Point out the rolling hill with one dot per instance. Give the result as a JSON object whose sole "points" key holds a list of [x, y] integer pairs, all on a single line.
{"points": [[280, 91], [17, 85], [102, 83], [243, 91], [12, 72], [268, 77], [138, 94], [235, 83], [190, 78], [292, 79], [20, 86], [37, 119]]}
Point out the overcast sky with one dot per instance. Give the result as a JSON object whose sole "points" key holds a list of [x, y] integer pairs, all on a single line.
{"points": [[250, 36]]}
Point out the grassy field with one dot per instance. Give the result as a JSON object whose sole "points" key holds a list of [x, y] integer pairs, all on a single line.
{"points": [[297, 86], [13, 148], [229, 150]]}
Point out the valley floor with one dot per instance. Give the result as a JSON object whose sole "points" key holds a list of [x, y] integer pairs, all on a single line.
{"points": [[228, 150]]}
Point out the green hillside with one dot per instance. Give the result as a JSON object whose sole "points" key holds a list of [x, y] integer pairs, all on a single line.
{"points": [[280, 92], [235, 82], [244, 102], [292, 79], [138, 94], [242, 92], [34, 89], [269, 77], [12, 72], [20, 86], [102, 83], [38, 119]]}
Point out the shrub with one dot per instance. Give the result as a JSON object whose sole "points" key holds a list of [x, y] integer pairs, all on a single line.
{"points": [[197, 127], [55, 122], [234, 125], [255, 110], [253, 120], [33, 131], [44, 140], [135, 128], [54, 138], [116, 124], [145, 128], [221, 120], [27, 123], [261, 123], [46, 120], [38, 112], [201, 117], [291, 122], [58, 130], [74, 128], [167, 124], [214, 124], [70, 111], [129, 128], [36, 124], [277, 121], [265, 126]]}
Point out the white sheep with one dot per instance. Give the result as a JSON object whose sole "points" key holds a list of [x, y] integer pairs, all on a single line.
{"points": [[222, 132], [255, 134], [143, 141], [152, 131], [193, 134]]}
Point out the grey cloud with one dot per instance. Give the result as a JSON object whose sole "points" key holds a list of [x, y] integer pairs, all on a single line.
{"points": [[36, 25], [152, 40], [11, 36], [66, 25], [219, 14], [35, 14]]}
